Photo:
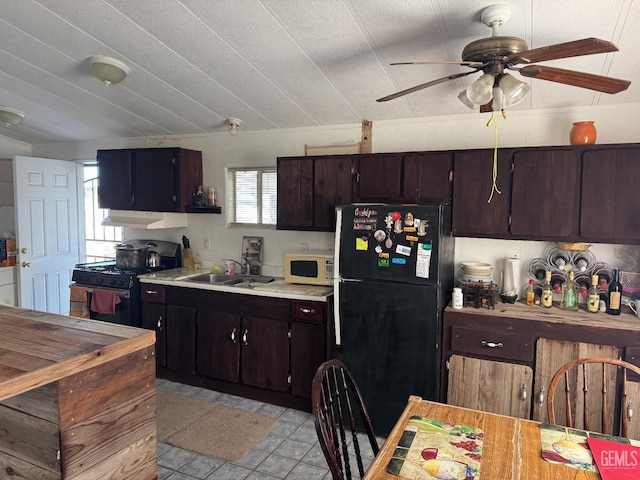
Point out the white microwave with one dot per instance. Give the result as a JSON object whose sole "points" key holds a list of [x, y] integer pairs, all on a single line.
{"points": [[309, 268]]}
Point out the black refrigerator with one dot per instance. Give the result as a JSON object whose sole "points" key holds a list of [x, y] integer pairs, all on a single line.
{"points": [[394, 267]]}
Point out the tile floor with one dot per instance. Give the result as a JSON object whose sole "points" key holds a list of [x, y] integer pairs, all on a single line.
{"points": [[289, 451]]}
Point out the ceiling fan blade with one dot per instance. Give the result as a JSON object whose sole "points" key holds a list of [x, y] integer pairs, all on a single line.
{"points": [[576, 79], [470, 64], [586, 46], [424, 85]]}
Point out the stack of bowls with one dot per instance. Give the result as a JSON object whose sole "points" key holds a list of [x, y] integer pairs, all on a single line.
{"points": [[476, 272]]}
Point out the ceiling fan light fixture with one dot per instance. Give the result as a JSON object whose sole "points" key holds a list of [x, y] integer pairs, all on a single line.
{"points": [[513, 89], [10, 116], [234, 124], [462, 96], [108, 70], [481, 91], [498, 101]]}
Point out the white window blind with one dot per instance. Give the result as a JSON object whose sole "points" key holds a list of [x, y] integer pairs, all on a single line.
{"points": [[252, 196]]}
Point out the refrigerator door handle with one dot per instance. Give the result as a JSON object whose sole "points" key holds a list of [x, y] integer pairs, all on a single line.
{"points": [[336, 278]]}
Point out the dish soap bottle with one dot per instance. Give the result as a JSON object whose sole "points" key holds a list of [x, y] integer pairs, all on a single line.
{"points": [[569, 300], [547, 291]]}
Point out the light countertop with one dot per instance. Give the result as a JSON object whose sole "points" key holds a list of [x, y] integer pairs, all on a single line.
{"points": [[179, 277]]}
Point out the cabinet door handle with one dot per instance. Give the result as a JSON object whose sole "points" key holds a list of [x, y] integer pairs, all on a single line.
{"points": [[540, 397], [160, 322], [492, 344], [629, 411], [307, 310], [523, 393], [245, 337], [233, 335], [151, 292]]}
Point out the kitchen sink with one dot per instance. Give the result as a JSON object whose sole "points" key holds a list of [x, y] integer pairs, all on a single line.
{"points": [[216, 278], [244, 281]]}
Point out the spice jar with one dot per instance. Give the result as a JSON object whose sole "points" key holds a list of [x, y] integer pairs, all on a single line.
{"points": [[457, 298], [212, 196]]}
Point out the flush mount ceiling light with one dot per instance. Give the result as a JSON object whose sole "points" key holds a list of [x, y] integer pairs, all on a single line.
{"points": [[108, 70], [234, 124], [10, 116]]}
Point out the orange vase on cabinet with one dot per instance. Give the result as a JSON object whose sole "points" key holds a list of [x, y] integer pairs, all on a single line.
{"points": [[583, 133]]}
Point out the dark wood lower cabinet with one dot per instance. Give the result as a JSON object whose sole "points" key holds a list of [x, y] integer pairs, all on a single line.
{"points": [[258, 347], [181, 339], [218, 345], [154, 318], [307, 353], [265, 353]]}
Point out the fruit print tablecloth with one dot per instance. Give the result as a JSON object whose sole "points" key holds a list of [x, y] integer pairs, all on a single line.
{"points": [[430, 449]]}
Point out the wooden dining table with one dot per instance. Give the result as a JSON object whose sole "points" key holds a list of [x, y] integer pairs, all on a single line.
{"points": [[511, 448]]}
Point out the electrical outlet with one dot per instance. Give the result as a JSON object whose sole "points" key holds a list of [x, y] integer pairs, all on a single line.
{"points": [[206, 243]]}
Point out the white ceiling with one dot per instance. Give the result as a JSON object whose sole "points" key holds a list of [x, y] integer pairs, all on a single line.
{"points": [[276, 63]]}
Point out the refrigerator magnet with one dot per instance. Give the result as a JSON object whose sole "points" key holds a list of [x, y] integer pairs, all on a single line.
{"points": [[408, 219], [399, 261], [422, 227], [362, 243], [379, 235], [423, 260], [411, 238], [383, 262], [378, 249], [403, 250]]}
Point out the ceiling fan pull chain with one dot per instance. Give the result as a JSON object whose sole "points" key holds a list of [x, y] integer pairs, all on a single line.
{"points": [[494, 184]]}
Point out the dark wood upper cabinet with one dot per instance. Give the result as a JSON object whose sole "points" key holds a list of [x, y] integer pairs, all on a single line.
{"points": [[148, 179], [309, 188], [295, 193], [426, 178], [611, 195], [545, 201], [379, 178], [115, 179], [473, 213], [332, 185]]}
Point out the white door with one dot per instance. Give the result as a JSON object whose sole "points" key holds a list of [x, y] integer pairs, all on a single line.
{"points": [[46, 210]]}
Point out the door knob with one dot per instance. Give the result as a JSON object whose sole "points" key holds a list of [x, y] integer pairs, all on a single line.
{"points": [[24, 250], [26, 264]]}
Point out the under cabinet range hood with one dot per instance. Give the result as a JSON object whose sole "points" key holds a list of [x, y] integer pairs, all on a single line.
{"points": [[145, 220]]}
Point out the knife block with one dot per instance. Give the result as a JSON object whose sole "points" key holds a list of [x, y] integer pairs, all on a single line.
{"points": [[188, 258]]}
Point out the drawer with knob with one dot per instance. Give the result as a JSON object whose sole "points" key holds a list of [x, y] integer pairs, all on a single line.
{"points": [[152, 293], [500, 345], [309, 312]]}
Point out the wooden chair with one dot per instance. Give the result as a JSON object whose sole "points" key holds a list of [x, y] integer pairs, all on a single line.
{"points": [[609, 375], [336, 405]]}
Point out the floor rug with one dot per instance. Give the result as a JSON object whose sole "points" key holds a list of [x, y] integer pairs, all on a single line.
{"points": [[206, 428]]}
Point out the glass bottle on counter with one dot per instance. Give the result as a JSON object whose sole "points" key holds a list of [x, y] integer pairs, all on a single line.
{"points": [[547, 291], [593, 296], [569, 300], [531, 294], [615, 294]]}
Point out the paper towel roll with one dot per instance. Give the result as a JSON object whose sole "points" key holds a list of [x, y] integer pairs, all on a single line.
{"points": [[511, 276]]}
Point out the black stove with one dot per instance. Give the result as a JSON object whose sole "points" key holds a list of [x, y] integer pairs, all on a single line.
{"points": [[106, 276]]}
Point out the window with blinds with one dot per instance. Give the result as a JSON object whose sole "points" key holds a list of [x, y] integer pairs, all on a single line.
{"points": [[251, 196]]}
